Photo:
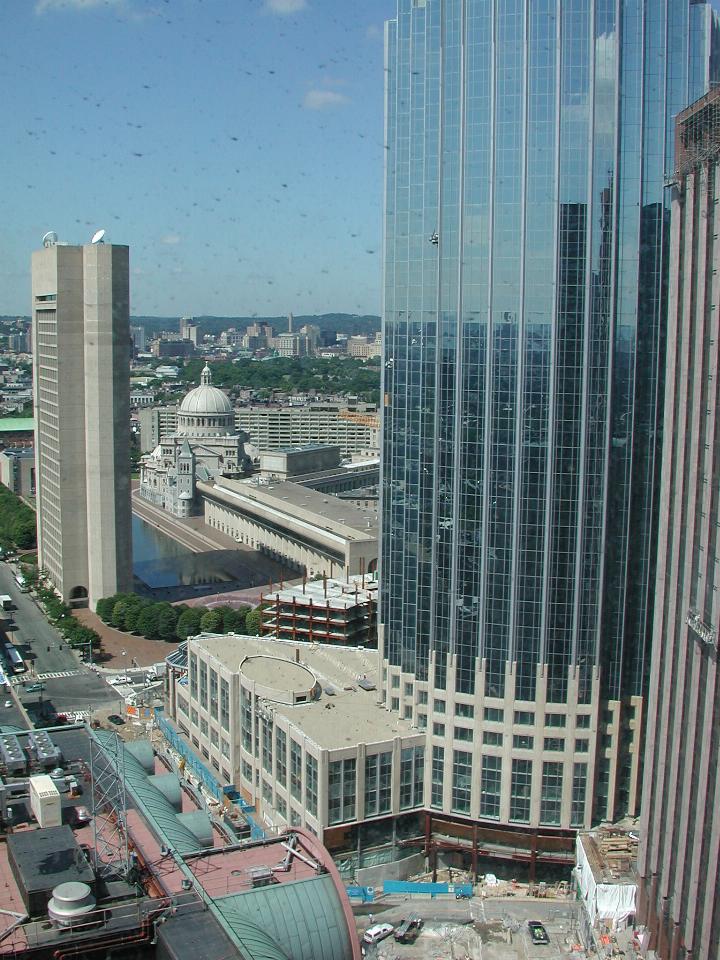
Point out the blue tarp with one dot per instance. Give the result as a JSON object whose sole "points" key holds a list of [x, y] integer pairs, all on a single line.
{"points": [[428, 889]]}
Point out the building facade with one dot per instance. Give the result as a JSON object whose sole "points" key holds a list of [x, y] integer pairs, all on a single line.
{"points": [[526, 230], [81, 363], [204, 445], [679, 863], [17, 470]]}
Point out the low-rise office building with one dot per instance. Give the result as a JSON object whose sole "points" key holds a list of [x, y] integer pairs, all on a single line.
{"points": [[298, 729], [17, 471], [307, 530]]}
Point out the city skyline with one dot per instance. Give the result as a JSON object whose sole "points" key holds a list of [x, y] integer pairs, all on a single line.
{"points": [[237, 148]]}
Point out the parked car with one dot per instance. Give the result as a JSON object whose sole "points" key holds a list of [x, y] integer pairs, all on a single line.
{"points": [[116, 719], [538, 933], [378, 932], [8, 703], [408, 930], [120, 678]]}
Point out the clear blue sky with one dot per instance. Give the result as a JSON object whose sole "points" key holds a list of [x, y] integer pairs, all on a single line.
{"points": [[235, 145]]}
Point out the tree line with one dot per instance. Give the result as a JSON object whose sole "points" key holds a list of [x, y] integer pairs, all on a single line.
{"points": [[160, 620], [17, 522], [60, 615]]}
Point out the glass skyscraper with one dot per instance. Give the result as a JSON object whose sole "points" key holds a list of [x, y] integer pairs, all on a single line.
{"points": [[526, 237]]}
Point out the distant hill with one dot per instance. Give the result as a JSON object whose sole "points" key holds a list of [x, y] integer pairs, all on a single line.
{"points": [[348, 323]]}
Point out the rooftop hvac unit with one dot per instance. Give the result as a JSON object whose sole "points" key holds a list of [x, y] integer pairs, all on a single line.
{"points": [[70, 903], [45, 801], [13, 755]]}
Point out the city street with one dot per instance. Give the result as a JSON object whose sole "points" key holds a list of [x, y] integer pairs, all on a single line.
{"points": [[69, 685]]}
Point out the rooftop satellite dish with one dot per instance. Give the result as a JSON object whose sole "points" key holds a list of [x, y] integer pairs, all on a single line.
{"points": [[50, 239], [98, 236]]}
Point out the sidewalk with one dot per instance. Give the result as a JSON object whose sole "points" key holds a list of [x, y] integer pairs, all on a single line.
{"points": [[143, 651]]}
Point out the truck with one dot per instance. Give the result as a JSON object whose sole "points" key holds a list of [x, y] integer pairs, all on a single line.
{"points": [[6, 602]]}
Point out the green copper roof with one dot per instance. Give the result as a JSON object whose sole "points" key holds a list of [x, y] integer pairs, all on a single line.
{"points": [[304, 918], [17, 424]]}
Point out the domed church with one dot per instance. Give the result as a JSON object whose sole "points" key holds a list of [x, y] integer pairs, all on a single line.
{"points": [[205, 445]]}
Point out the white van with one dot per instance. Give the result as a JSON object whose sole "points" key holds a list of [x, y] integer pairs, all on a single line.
{"points": [[378, 932]]}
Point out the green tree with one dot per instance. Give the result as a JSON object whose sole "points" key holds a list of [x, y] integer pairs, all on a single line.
{"points": [[132, 614], [148, 622], [167, 623], [252, 622], [118, 614], [233, 620], [211, 622], [23, 531], [189, 622], [104, 608]]}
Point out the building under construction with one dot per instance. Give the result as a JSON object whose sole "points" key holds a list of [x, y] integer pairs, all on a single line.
{"points": [[324, 611]]}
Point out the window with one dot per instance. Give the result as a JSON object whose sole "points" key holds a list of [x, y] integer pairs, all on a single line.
{"points": [[439, 729], [246, 769], [281, 806], [461, 781], [438, 776], [494, 714], [464, 710], [525, 717], [395, 703], [395, 681], [583, 721], [520, 785], [408, 689], [523, 742], [203, 695], [246, 734], [490, 787], [225, 705], [577, 809], [551, 795], [422, 697], [295, 818], [267, 792], [422, 720], [295, 770], [214, 738], [267, 739], [378, 783], [582, 746], [341, 790], [412, 767], [492, 739], [194, 716], [311, 784], [463, 733], [554, 743], [281, 757], [439, 706], [225, 749], [554, 719], [407, 711], [182, 705], [192, 670], [204, 727], [213, 694]]}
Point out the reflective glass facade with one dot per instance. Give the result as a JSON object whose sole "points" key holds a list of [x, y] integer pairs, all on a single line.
{"points": [[525, 245]]}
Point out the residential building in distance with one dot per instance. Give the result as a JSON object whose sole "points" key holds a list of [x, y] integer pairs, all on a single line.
{"points": [[156, 423], [138, 338], [522, 333], [204, 445], [679, 864], [323, 611], [81, 337], [189, 330], [17, 470]]}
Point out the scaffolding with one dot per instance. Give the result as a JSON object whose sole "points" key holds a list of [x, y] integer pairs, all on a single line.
{"points": [[697, 135], [109, 806]]}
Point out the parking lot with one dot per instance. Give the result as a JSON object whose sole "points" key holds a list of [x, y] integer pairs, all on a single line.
{"points": [[477, 929]]}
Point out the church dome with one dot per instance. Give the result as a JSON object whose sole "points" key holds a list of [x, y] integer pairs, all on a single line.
{"points": [[205, 400]]}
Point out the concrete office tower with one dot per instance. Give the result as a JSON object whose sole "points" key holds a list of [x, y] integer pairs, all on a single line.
{"points": [[81, 335], [525, 230], [679, 863]]}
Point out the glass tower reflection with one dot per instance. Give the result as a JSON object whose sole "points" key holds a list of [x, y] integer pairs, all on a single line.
{"points": [[525, 242]]}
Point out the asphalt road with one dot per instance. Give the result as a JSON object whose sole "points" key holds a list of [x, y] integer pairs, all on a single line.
{"points": [[77, 688]]}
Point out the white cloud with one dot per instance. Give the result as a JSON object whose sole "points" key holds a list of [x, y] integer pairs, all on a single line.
{"points": [[322, 99], [42, 5], [171, 239], [285, 6]]}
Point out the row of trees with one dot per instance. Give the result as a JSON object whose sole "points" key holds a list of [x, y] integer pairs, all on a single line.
{"points": [[60, 614], [159, 620], [17, 522]]}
